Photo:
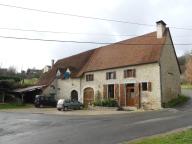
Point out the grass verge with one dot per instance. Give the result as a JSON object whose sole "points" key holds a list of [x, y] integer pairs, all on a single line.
{"points": [[180, 100], [14, 106], [182, 137], [186, 86]]}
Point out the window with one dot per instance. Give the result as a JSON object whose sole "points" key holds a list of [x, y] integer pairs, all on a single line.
{"points": [[111, 91], [110, 75], [146, 86], [66, 75], [58, 74], [129, 73], [89, 77]]}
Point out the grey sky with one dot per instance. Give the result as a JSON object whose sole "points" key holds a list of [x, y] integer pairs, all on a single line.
{"points": [[25, 54]]}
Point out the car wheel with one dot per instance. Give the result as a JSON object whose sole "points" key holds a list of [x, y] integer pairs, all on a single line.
{"points": [[59, 109], [81, 107], [65, 108]]}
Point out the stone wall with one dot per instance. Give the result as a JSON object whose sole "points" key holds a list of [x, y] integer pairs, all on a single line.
{"points": [[144, 73], [170, 75]]}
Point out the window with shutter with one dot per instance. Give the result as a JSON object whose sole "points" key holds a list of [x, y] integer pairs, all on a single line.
{"points": [[110, 75], [129, 73], [146, 86]]}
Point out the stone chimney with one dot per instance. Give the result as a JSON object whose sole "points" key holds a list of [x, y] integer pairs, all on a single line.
{"points": [[52, 63], [161, 27]]}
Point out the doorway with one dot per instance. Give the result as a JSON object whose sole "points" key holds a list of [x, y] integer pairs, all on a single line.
{"points": [[74, 95], [130, 98]]}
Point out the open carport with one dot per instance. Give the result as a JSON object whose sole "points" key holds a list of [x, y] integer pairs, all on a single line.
{"points": [[28, 94]]}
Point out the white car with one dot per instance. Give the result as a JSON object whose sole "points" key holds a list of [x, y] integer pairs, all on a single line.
{"points": [[60, 104]]}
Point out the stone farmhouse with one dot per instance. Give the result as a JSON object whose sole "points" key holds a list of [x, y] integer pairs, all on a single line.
{"points": [[139, 72]]}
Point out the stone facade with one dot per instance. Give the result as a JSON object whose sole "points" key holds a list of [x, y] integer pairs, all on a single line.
{"points": [[170, 74], [144, 73], [150, 85]]}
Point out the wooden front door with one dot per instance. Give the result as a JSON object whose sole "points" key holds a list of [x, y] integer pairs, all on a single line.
{"points": [[88, 97], [130, 95]]}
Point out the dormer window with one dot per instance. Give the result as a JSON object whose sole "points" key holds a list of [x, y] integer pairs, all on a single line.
{"points": [[58, 74], [67, 74]]}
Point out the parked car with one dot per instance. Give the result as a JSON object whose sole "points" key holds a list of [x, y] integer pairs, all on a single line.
{"points": [[68, 104], [44, 101]]}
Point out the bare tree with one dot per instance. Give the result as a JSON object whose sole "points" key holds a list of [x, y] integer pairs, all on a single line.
{"points": [[188, 72]]}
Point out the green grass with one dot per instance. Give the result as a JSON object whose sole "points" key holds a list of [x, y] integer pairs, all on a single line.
{"points": [[186, 86], [32, 81], [13, 106], [184, 137], [177, 102]]}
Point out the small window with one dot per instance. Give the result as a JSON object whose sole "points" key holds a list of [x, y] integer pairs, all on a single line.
{"points": [[144, 86], [110, 75], [129, 73], [89, 77], [111, 91]]}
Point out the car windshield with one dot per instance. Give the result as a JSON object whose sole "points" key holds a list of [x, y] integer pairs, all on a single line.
{"points": [[67, 101]]}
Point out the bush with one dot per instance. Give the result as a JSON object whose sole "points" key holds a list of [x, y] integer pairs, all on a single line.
{"points": [[15, 78], [180, 100], [106, 103]]}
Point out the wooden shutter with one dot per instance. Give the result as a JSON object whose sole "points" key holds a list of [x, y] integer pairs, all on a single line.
{"points": [[104, 91], [125, 71], [122, 95], [149, 87], [137, 95], [107, 77], [117, 91], [134, 72], [114, 75]]}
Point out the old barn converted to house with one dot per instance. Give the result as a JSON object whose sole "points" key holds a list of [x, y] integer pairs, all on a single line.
{"points": [[140, 72]]}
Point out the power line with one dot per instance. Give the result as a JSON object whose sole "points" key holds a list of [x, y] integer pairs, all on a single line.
{"points": [[78, 33], [74, 15], [180, 28], [84, 42], [61, 32], [88, 17]]}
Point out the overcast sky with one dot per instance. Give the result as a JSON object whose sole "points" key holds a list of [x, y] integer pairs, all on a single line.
{"points": [[25, 54]]}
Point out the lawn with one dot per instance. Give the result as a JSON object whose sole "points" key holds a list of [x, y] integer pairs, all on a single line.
{"points": [[184, 137], [31, 81], [186, 86], [14, 106]]}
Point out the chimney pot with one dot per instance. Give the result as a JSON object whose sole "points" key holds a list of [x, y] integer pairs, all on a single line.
{"points": [[161, 26], [52, 63]]}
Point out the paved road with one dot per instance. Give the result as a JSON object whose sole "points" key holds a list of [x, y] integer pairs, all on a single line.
{"points": [[19, 128]]}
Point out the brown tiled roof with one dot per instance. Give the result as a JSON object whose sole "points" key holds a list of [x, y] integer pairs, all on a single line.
{"points": [[74, 63], [139, 50]]}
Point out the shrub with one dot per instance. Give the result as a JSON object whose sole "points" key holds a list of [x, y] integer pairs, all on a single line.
{"points": [[181, 99], [15, 78], [106, 103]]}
